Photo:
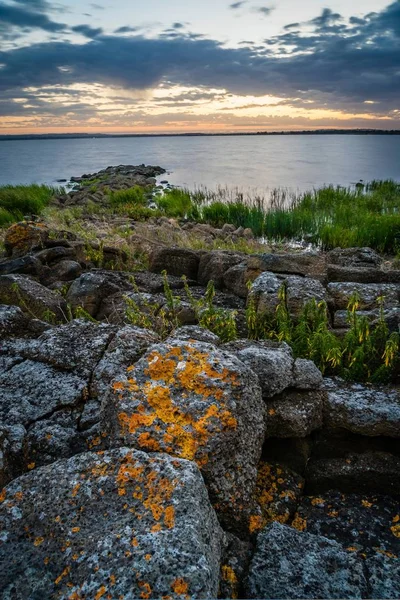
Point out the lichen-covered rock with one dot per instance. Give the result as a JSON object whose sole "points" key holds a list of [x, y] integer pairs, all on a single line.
{"points": [[363, 524], [278, 491], [383, 574], [367, 410], [21, 237], [35, 300], [13, 322], [115, 524], [295, 413], [234, 564], [339, 294], [194, 401], [90, 289], [45, 384], [371, 472], [26, 265], [306, 375], [66, 270], [291, 564], [266, 292], [272, 362], [125, 348]]}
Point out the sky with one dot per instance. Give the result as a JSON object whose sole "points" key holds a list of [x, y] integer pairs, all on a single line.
{"points": [[174, 66]]}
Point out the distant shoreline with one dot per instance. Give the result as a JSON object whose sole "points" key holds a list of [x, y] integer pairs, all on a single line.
{"points": [[63, 136]]}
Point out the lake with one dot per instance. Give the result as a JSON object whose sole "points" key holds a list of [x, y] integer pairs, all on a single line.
{"points": [[251, 163]]}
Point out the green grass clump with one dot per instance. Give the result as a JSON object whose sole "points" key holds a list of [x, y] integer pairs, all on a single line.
{"points": [[16, 201], [342, 217], [366, 354], [135, 195], [176, 203]]}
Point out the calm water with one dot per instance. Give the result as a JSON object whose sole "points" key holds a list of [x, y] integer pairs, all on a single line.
{"points": [[250, 163]]}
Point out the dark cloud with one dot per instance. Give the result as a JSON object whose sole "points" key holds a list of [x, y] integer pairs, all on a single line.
{"points": [[236, 5], [23, 18], [354, 63], [264, 10], [88, 31], [126, 29], [178, 25]]}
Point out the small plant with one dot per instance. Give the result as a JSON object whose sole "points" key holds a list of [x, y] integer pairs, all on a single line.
{"points": [[132, 196], [81, 313]]}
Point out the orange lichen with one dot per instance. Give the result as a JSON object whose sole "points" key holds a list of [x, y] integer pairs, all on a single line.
{"points": [[184, 433], [299, 523], [255, 523], [100, 592], [169, 517], [38, 541], [75, 529], [180, 586], [63, 574], [317, 501], [146, 593], [3, 495], [366, 504], [31, 466], [76, 490], [228, 574], [395, 529]]}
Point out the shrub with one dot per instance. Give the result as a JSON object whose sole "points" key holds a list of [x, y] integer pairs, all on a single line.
{"points": [[132, 196]]}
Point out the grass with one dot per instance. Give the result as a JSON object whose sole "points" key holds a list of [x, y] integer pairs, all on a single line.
{"points": [[16, 201], [329, 217]]}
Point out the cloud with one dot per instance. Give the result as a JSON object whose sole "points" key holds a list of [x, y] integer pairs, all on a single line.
{"points": [[236, 5], [264, 10], [88, 31], [338, 69], [126, 29], [19, 16]]}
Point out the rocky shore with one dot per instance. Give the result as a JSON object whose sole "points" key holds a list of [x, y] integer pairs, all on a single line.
{"points": [[137, 462]]}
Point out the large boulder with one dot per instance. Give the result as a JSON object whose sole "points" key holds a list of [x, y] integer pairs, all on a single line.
{"points": [[272, 362], [214, 265], [89, 291], [362, 275], [13, 322], [366, 410], [291, 564], [266, 292], [295, 413], [49, 388], [354, 257], [194, 401], [304, 264], [35, 300], [25, 265], [116, 524], [22, 237], [361, 523], [175, 261], [339, 294]]}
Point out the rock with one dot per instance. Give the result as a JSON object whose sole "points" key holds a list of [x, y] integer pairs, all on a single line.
{"points": [[304, 264], [192, 333], [125, 349], [66, 270], [119, 523], [92, 288], [278, 491], [371, 472], [153, 283], [367, 410], [197, 402], [295, 413], [354, 257], [272, 362], [266, 291], [54, 254], [214, 265], [391, 316], [12, 321], [27, 265], [234, 564], [306, 375], [22, 237], [291, 564], [34, 299], [383, 576], [248, 233], [235, 280], [339, 294], [362, 275], [360, 523], [338, 443], [175, 261]]}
